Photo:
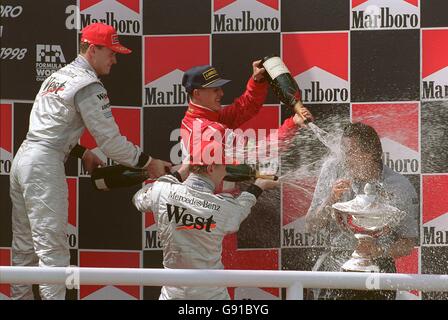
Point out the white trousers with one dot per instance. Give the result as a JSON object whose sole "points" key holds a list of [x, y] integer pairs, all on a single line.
{"points": [[39, 196]]}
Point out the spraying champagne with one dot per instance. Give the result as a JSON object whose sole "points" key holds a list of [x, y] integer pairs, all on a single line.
{"points": [[287, 91]]}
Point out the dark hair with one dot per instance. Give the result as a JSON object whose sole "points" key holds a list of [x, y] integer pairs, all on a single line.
{"points": [[83, 46], [198, 169], [366, 138]]}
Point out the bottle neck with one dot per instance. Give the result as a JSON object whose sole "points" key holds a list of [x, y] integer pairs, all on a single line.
{"points": [[245, 172], [274, 67]]}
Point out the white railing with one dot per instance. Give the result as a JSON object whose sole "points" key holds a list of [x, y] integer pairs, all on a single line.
{"points": [[293, 281]]}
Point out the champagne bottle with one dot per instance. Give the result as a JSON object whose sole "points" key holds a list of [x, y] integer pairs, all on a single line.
{"points": [[117, 176], [282, 83], [243, 172], [286, 89]]}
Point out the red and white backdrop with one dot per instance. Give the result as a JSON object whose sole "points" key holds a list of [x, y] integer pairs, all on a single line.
{"points": [[381, 62]]}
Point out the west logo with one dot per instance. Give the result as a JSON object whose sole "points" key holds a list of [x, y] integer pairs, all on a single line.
{"points": [[385, 14], [188, 221], [246, 16], [397, 125], [163, 74], [435, 210], [434, 65], [319, 64], [123, 15], [52, 86]]}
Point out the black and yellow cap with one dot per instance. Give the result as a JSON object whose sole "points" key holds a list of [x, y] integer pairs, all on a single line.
{"points": [[202, 77]]}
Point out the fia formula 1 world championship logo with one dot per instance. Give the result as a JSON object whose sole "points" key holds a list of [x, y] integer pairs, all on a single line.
{"points": [[49, 59]]}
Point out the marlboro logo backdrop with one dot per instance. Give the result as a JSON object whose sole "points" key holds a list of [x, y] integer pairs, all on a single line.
{"points": [[5, 260], [385, 14], [124, 15], [6, 153], [434, 65], [109, 259], [380, 62], [319, 64], [435, 213], [129, 123], [163, 75], [235, 16], [398, 127]]}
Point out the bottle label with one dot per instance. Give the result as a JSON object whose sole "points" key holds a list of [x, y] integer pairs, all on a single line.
{"points": [[275, 67]]}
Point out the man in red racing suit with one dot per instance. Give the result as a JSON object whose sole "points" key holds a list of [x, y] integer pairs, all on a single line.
{"points": [[205, 118]]}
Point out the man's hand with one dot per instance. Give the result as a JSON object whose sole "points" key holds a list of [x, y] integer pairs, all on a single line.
{"points": [[302, 114], [402, 247], [91, 161], [266, 184], [183, 169], [158, 168], [369, 248], [258, 73], [338, 189]]}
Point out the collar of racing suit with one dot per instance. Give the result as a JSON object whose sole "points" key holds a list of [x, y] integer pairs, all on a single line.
{"points": [[82, 62], [198, 111], [200, 183]]}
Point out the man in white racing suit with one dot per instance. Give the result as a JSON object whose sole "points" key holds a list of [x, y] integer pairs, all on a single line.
{"points": [[70, 100], [192, 221]]}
